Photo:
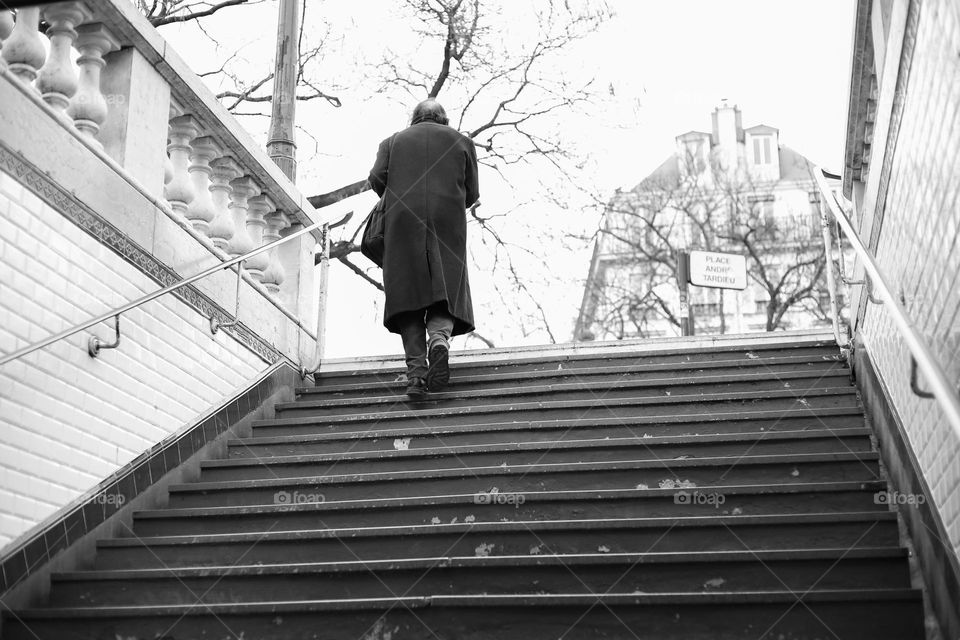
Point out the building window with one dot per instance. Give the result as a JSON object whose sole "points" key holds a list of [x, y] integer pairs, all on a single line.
{"points": [[761, 306], [761, 150], [706, 309]]}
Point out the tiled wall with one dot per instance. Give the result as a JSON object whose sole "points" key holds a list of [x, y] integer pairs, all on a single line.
{"points": [[68, 420], [919, 249]]}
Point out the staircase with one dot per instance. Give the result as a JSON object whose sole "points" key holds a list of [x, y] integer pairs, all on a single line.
{"points": [[721, 492]]}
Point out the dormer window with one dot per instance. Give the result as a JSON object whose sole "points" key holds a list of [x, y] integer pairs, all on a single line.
{"points": [[762, 150]]}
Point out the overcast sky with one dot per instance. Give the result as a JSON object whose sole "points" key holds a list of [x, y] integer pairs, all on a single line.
{"points": [[664, 67]]}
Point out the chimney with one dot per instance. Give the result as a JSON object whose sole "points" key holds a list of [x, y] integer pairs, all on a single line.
{"points": [[727, 133]]}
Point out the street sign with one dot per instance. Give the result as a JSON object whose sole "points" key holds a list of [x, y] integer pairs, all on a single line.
{"points": [[718, 270]]}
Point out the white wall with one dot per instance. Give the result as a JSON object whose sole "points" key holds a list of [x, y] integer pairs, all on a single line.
{"points": [[68, 420]]}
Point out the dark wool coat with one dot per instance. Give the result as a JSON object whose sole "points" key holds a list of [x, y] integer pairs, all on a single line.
{"points": [[428, 177]]}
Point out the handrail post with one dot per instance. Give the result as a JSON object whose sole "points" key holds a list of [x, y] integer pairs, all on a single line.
{"points": [[842, 342]]}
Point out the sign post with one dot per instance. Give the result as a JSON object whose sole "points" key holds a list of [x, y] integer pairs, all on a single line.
{"points": [[683, 278]]}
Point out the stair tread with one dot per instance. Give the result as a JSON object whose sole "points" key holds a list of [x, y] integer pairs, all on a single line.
{"points": [[423, 412], [529, 496], [525, 600], [399, 381], [521, 525], [546, 467], [560, 404], [605, 386], [551, 445], [624, 349], [561, 423], [362, 566]]}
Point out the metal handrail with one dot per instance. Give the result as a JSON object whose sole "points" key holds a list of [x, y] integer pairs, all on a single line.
{"points": [[921, 356], [153, 296]]}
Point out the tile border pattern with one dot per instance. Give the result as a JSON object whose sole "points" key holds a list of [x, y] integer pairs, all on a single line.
{"points": [[110, 236], [87, 513]]}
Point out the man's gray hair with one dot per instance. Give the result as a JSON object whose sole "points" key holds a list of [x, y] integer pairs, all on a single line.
{"points": [[429, 111]]}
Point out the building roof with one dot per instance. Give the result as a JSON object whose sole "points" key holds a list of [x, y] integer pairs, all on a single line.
{"points": [[694, 134], [793, 166], [762, 128]]}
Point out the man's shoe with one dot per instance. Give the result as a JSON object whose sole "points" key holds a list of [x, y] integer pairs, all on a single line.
{"points": [[438, 375], [417, 389]]}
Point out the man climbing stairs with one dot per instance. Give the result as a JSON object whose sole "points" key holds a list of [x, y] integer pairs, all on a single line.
{"points": [[729, 491]]}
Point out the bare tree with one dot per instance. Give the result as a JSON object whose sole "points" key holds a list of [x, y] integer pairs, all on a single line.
{"points": [[246, 90], [161, 12]]}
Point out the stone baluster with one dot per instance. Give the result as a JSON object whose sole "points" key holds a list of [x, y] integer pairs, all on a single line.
{"points": [[243, 189], [221, 230], [6, 28], [179, 192], [274, 276], [57, 80], [88, 107], [202, 211], [23, 51], [167, 163], [260, 207]]}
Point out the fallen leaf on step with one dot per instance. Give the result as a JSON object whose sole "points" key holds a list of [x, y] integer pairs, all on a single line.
{"points": [[737, 511], [603, 549], [795, 472], [535, 550], [454, 521], [752, 355], [469, 519], [642, 486], [483, 550], [401, 444], [713, 583], [682, 457], [434, 520]]}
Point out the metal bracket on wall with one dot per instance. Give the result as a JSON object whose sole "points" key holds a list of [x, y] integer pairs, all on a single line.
{"points": [[870, 296], [94, 345], [914, 385]]}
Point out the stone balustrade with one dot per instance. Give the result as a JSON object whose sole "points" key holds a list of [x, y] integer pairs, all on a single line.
{"points": [[219, 185]]}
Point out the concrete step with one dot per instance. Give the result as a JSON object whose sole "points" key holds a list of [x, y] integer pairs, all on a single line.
{"points": [[296, 511], [883, 614], [676, 390], [385, 369], [489, 439], [395, 383], [556, 452], [303, 419], [610, 474], [573, 536], [344, 437], [731, 571]]}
